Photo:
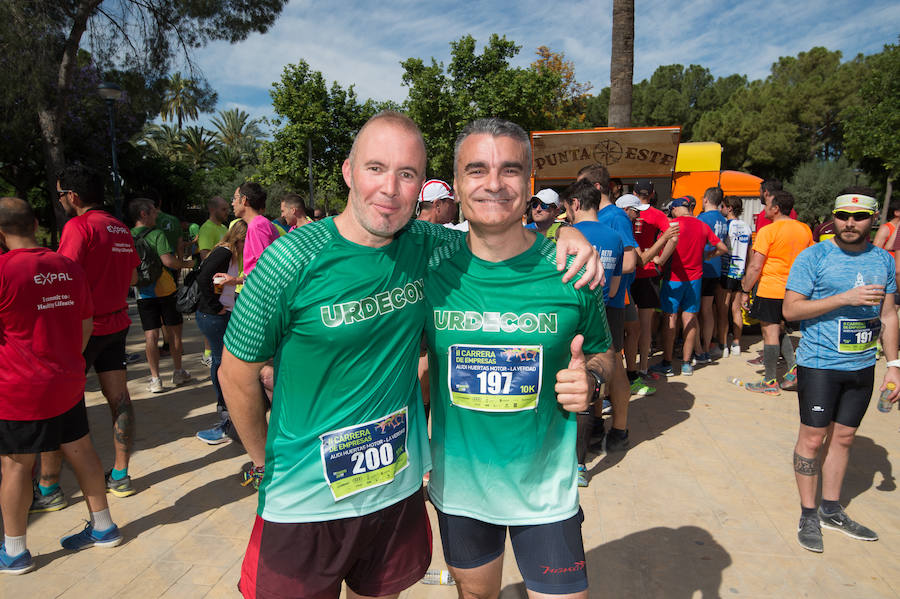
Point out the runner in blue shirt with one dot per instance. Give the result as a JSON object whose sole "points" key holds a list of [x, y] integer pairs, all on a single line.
{"points": [[843, 292]]}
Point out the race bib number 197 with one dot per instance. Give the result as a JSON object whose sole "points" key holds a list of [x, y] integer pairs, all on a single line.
{"points": [[364, 456], [495, 378]]}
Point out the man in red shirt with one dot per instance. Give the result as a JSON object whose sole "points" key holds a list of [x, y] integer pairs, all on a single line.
{"points": [[103, 247], [649, 223], [767, 190], [681, 287], [46, 316]]}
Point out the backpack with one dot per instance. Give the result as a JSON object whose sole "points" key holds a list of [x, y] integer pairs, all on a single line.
{"points": [[187, 298], [151, 267]]}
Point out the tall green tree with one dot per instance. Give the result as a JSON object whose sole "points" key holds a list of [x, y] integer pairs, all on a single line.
{"points": [[769, 127], [872, 127], [40, 41], [816, 183], [310, 111], [474, 86]]}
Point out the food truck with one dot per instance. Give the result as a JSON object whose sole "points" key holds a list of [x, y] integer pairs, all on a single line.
{"points": [[656, 153]]}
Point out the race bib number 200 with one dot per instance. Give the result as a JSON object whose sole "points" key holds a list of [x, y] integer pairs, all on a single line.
{"points": [[495, 378], [365, 456]]}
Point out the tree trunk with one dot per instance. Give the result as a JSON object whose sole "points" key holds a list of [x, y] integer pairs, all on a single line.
{"points": [[621, 68], [888, 190], [52, 112]]}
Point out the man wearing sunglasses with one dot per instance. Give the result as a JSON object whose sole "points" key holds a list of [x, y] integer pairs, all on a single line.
{"points": [[775, 248], [544, 208], [843, 292]]}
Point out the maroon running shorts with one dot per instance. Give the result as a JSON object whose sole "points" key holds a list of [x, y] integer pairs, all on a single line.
{"points": [[377, 554]]}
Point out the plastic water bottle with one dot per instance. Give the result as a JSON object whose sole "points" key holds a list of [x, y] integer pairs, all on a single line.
{"points": [[884, 404], [438, 577], [735, 381]]}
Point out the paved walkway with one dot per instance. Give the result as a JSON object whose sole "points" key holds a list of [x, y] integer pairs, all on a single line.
{"points": [[703, 504]]}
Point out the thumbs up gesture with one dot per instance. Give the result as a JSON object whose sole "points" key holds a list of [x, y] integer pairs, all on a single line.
{"points": [[574, 386]]}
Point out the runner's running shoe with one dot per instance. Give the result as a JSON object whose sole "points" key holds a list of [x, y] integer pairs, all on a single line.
{"points": [[90, 538], [768, 387], [842, 522], [53, 502], [18, 564], [119, 488], [639, 387], [789, 382], [809, 534]]}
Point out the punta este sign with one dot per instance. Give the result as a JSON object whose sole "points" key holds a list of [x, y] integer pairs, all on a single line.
{"points": [[647, 152]]}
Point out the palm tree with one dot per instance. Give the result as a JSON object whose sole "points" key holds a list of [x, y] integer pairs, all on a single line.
{"points": [[621, 68], [181, 99], [238, 134], [198, 146], [165, 140]]}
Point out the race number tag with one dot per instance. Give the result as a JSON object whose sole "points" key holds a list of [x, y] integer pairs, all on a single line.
{"points": [[368, 455], [856, 336], [495, 378]]}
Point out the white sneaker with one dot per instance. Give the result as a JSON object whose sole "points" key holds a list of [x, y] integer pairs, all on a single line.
{"points": [[724, 352], [180, 377], [735, 349], [155, 385], [206, 361]]}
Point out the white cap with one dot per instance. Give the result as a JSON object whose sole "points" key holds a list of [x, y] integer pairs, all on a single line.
{"points": [[547, 196], [435, 189], [631, 201]]}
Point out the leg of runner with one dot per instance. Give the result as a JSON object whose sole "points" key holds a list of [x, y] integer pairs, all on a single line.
{"points": [[151, 339], [737, 322], [707, 322], [834, 461], [645, 317], [15, 492], [722, 310], [689, 327], [482, 582], [806, 463], [84, 461], [633, 333], [114, 385], [175, 345]]}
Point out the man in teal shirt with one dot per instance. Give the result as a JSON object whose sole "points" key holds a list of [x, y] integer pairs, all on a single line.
{"points": [[511, 350]]}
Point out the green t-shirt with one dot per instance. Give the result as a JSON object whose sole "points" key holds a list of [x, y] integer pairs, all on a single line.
{"points": [[165, 284], [503, 450], [171, 226], [210, 235], [347, 433]]}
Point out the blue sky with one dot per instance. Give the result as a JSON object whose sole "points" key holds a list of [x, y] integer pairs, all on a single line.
{"points": [[363, 43]]}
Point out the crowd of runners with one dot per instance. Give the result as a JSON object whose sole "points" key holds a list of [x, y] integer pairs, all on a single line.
{"points": [[477, 359]]}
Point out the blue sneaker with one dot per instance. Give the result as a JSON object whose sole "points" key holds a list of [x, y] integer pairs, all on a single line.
{"points": [[582, 475], [663, 368], [214, 435], [15, 565], [90, 537], [703, 358], [687, 369]]}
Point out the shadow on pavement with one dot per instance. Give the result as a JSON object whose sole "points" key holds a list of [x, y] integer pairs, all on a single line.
{"points": [[675, 563], [649, 417], [866, 458]]}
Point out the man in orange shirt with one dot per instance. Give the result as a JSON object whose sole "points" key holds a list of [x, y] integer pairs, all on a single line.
{"points": [[774, 251]]}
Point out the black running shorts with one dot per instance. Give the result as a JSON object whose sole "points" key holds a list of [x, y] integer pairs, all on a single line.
{"points": [[550, 556], [645, 293], [828, 396], [35, 436], [106, 352]]}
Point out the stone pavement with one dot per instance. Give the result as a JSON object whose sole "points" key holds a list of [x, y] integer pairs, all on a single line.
{"points": [[703, 505]]}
